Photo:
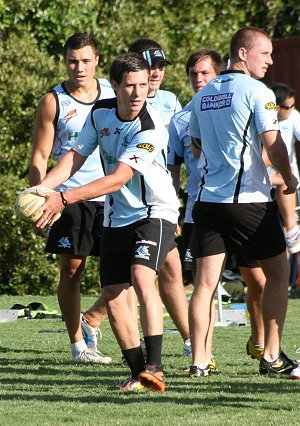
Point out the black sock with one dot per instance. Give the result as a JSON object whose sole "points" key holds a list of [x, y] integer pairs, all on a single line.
{"points": [[135, 359], [154, 348]]}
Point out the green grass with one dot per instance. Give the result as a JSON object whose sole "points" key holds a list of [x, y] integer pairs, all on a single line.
{"points": [[40, 385]]}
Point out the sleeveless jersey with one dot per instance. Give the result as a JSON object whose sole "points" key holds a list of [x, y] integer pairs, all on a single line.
{"points": [[166, 103], [228, 115], [70, 118], [180, 152], [141, 144]]}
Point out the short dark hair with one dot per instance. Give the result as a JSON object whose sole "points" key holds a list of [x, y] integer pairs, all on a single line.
{"points": [[204, 53], [244, 37], [282, 92], [80, 40], [127, 62], [142, 44]]}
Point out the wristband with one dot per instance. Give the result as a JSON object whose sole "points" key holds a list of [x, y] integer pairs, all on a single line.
{"points": [[64, 201]]}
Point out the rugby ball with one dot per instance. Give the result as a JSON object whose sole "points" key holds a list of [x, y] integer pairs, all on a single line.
{"points": [[28, 201]]}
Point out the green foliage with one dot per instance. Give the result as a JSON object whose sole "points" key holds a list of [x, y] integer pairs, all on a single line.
{"points": [[24, 268], [32, 35], [26, 74]]}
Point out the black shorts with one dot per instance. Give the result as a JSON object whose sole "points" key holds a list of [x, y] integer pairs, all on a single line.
{"points": [[146, 242], [252, 230], [78, 231], [189, 260], [237, 260]]}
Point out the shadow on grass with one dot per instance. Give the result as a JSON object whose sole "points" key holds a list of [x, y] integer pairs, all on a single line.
{"points": [[234, 399], [97, 385]]}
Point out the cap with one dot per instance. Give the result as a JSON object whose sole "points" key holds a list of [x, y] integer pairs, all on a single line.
{"points": [[154, 56]]}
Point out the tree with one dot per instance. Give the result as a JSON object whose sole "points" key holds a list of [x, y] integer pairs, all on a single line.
{"points": [[32, 35]]}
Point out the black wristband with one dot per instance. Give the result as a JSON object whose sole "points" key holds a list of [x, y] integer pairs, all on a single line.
{"points": [[64, 201]]}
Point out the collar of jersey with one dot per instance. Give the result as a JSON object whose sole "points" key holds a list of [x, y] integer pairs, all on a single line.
{"points": [[232, 72]]}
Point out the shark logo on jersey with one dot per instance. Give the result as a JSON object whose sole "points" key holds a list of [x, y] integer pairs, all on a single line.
{"points": [[64, 242], [146, 146], [70, 114], [167, 106], [104, 132], [271, 105], [220, 101], [142, 252]]}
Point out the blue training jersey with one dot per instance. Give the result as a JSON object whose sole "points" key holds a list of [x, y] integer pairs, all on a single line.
{"points": [[180, 152], [228, 115], [166, 103], [142, 145]]}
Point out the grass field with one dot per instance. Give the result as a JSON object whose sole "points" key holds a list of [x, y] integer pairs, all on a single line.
{"points": [[40, 385]]}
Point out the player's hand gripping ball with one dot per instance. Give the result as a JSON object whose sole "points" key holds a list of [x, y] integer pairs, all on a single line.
{"points": [[28, 201]]}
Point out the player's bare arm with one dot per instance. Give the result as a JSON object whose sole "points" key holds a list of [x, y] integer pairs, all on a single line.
{"points": [[196, 147], [277, 154], [55, 202], [42, 139], [175, 173]]}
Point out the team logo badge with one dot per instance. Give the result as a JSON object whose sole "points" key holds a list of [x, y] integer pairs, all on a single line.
{"points": [[104, 132], [146, 146], [271, 105], [64, 242], [70, 114], [188, 256], [142, 252], [167, 106]]}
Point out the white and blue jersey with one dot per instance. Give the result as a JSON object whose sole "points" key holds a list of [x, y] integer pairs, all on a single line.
{"points": [[290, 132], [228, 115], [166, 103], [70, 118], [180, 152], [142, 145]]}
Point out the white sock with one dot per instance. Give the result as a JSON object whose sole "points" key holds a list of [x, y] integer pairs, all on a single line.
{"points": [[201, 366], [292, 233], [78, 347]]}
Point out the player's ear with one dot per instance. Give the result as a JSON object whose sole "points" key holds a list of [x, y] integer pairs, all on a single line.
{"points": [[97, 59], [114, 85], [242, 53]]}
